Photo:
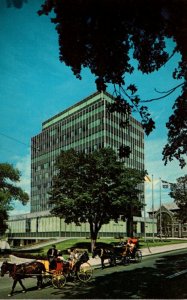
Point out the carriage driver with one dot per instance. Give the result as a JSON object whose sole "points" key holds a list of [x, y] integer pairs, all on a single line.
{"points": [[132, 243], [52, 254]]}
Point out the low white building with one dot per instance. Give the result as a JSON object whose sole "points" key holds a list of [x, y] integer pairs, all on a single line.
{"points": [[33, 227], [4, 245]]}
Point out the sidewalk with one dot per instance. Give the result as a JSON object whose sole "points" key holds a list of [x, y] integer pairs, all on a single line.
{"points": [[164, 248], [147, 251]]}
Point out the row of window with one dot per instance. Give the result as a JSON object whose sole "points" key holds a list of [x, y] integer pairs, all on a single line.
{"points": [[42, 145], [183, 229], [88, 125], [113, 139]]}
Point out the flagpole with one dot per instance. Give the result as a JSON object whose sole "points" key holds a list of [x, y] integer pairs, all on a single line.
{"points": [[144, 220], [144, 215], [160, 210], [153, 211]]}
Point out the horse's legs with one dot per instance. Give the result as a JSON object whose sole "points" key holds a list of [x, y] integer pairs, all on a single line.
{"points": [[113, 260], [39, 281], [13, 287], [23, 287], [102, 262]]}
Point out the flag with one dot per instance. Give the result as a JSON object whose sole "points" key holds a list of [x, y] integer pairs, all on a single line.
{"points": [[147, 178], [165, 184]]}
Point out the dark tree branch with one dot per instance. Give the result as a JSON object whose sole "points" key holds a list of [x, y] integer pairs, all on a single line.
{"points": [[167, 93], [105, 31]]}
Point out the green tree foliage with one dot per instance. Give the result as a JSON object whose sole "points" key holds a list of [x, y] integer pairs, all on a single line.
{"points": [[179, 194], [9, 191], [94, 188], [107, 32]]}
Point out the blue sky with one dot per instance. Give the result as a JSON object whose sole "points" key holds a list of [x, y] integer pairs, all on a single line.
{"points": [[34, 86]]}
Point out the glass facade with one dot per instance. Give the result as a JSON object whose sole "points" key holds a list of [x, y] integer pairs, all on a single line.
{"points": [[86, 126]]}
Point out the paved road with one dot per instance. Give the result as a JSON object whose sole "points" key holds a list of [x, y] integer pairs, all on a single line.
{"points": [[146, 280]]}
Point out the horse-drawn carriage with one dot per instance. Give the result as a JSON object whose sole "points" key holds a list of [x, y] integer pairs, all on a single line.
{"points": [[58, 277], [122, 253], [63, 271]]}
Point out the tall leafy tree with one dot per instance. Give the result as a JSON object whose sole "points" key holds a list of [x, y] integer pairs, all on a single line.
{"points": [[9, 191], [179, 194], [107, 33], [94, 188]]}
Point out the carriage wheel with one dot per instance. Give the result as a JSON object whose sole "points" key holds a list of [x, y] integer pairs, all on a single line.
{"points": [[138, 256], [85, 272], [59, 281], [46, 279], [125, 260]]}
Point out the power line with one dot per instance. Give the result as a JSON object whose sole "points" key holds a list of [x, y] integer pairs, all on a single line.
{"points": [[18, 141], [12, 138], [7, 149]]}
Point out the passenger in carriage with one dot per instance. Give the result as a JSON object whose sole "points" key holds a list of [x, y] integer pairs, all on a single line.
{"points": [[59, 256], [73, 257], [132, 244]]}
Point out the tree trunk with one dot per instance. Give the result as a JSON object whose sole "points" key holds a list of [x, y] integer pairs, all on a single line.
{"points": [[93, 232], [93, 242], [130, 227]]}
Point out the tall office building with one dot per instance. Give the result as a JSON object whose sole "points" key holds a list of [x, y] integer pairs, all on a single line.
{"points": [[85, 126]]}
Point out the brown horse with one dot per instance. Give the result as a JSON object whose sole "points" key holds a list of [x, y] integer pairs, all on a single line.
{"points": [[21, 271]]}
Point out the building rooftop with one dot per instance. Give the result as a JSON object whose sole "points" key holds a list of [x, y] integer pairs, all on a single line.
{"points": [[76, 107], [169, 206], [69, 109], [30, 215]]}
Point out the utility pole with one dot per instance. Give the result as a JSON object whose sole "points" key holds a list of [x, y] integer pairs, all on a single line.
{"points": [[153, 213], [144, 214], [144, 225], [146, 179], [160, 209]]}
